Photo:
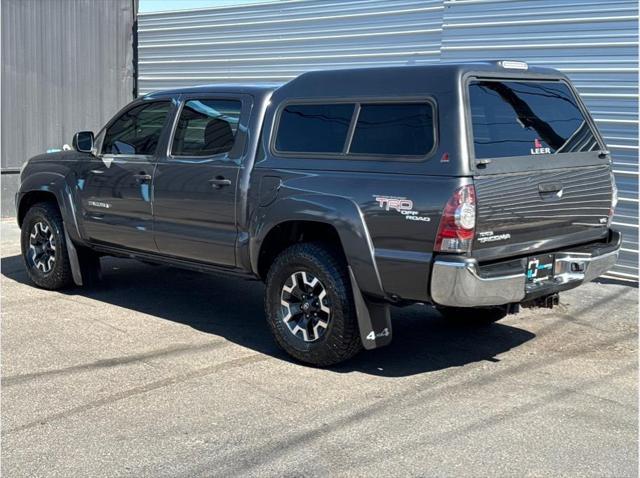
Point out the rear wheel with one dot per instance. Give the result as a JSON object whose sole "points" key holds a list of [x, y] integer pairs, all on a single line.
{"points": [[44, 249], [309, 305], [474, 315]]}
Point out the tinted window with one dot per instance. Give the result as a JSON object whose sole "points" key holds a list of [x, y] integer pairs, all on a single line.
{"points": [[402, 129], [137, 131], [517, 118], [206, 127], [314, 128]]}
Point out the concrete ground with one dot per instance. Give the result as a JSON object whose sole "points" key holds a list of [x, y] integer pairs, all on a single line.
{"points": [[161, 372]]}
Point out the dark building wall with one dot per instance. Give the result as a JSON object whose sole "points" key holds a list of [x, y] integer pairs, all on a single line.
{"points": [[67, 65]]}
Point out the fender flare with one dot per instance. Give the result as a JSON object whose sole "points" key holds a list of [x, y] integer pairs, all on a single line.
{"points": [[341, 213], [56, 184], [372, 311]]}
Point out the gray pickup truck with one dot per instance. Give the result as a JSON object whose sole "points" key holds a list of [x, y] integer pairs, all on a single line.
{"points": [[475, 188]]}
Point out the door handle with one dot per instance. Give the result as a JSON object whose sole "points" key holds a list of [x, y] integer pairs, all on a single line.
{"points": [[550, 191], [96, 175], [219, 182], [142, 177], [549, 187]]}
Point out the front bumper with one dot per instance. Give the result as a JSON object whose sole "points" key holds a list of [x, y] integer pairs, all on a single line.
{"points": [[462, 282]]}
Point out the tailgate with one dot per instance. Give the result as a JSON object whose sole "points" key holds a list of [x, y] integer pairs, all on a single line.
{"points": [[542, 181], [522, 212]]}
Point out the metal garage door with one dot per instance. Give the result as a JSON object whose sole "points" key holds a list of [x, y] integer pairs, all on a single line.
{"points": [[595, 42]]}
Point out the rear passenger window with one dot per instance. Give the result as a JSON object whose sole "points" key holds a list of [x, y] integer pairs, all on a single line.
{"points": [[206, 127], [394, 129], [314, 128]]}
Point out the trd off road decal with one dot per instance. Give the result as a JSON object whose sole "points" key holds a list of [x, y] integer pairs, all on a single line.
{"points": [[402, 205]]}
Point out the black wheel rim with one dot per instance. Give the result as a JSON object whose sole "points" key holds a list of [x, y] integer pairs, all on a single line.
{"points": [[305, 306], [42, 247]]}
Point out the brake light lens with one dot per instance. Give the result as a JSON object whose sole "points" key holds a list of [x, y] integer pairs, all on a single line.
{"points": [[458, 221], [513, 65], [614, 199]]}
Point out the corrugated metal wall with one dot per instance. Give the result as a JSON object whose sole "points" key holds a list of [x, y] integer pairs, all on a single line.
{"points": [[594, 41], [67, 65], [276, 42]]}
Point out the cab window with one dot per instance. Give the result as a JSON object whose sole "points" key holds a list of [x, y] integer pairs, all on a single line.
{"points": [[206, 127], [314, 128], [137, 131], [394, 129], [382, 130]]}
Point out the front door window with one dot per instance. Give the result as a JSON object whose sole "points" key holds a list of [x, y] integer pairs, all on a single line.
{"points": [[137, 131]]}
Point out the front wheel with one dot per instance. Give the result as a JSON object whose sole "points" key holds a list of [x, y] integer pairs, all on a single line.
{"points": [[44, 249], [470, 315], [309, 305]]}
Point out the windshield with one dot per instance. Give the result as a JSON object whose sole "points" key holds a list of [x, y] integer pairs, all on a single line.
{"points": [[522, 118]]}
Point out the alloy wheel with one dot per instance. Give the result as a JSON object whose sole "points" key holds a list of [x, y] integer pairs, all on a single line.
{"points": [[42, 247], [305, 306]]}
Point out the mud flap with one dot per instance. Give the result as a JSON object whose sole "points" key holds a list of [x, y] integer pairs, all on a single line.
{"points": [[85, 269], [374, 319], [74, 262]]}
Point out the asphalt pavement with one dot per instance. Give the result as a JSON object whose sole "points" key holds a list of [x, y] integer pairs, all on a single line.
{"points": [[161, 372]]}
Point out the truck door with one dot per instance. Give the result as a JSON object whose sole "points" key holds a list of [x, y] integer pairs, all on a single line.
{"points": [[114, 187], [196, 181]]}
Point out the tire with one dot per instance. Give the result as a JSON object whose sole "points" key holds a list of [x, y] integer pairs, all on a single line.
{"points": [[44, 249], [292, 274], [474, 316]]}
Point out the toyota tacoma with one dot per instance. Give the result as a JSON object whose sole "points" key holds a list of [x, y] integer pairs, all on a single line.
{"points": [[476, 188]]}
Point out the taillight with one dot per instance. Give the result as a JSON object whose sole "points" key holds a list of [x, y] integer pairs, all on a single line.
{"points": [[614, 199], [458, 222]]}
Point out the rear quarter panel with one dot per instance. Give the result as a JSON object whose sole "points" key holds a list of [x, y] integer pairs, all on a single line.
{"points": [[401, 213]]}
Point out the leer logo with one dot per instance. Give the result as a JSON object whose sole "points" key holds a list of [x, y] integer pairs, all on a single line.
{"points": [[538, 148]]}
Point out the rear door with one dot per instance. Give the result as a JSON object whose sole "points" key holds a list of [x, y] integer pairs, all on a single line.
{"points": [[541, 180], [195, 182]]}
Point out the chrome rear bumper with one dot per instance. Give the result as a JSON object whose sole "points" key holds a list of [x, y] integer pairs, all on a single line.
{"points": [[459, 281]]}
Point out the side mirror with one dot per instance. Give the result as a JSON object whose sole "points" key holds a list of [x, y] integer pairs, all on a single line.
{"points": [[83, 141]]}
